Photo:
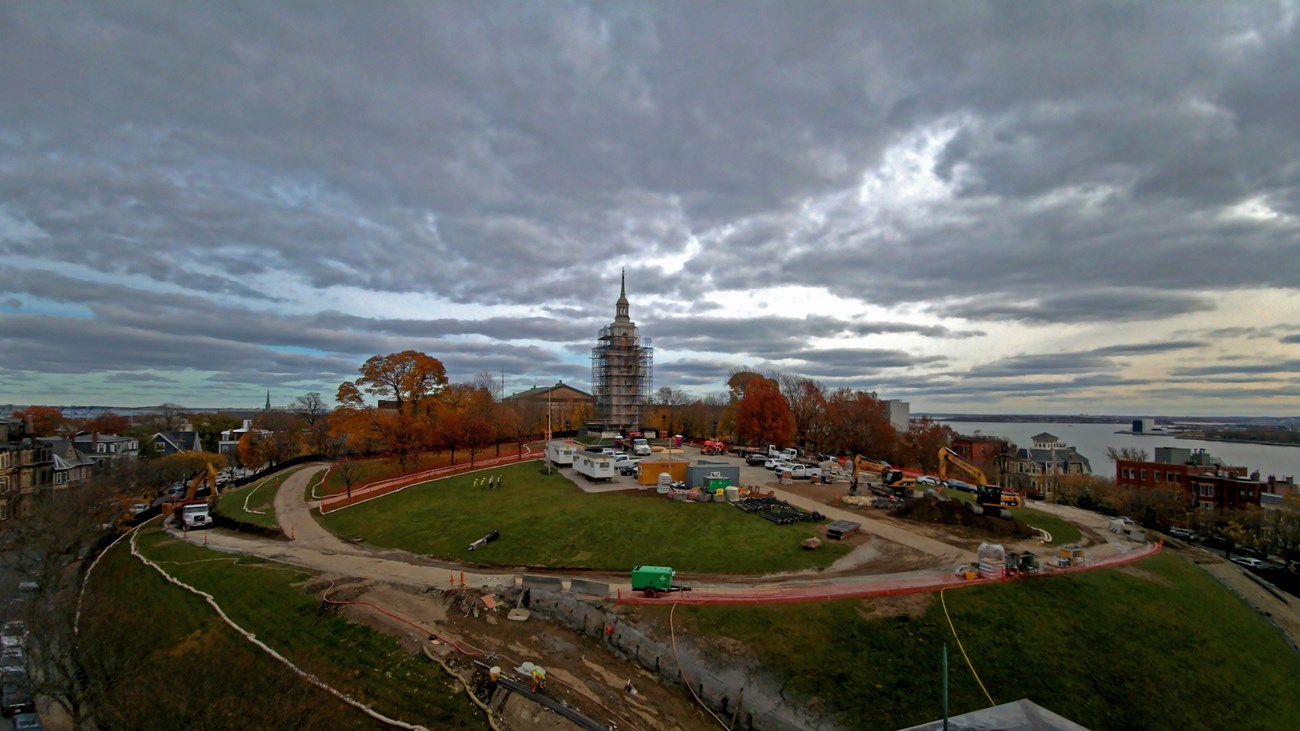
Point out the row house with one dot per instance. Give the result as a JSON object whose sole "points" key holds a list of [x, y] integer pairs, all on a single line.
{"points": [[104, 448], [26, 466], [1035, 470], [72, 467], [172, 442]]}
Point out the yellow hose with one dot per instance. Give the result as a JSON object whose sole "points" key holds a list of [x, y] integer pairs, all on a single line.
{"points": [[963, 649]]}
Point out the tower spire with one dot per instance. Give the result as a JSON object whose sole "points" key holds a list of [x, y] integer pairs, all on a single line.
{"points": [[620, 307], [268, 400]]}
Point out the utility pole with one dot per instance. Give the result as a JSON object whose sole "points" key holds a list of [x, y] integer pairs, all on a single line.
{"points": [[945, 686]]}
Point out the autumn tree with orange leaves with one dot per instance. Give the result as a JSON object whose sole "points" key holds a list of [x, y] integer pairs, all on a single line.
{"points": [[46, 421], [763, 415]]}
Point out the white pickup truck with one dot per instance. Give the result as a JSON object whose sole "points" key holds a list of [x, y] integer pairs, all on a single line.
{"points": [[803, 471], [626, 464]]}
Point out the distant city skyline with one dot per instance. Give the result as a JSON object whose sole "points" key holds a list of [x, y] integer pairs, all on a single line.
{"points": [[973, 207]]}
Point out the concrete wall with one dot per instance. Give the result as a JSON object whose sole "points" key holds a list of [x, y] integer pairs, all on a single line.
{"points": [[762, 707]]}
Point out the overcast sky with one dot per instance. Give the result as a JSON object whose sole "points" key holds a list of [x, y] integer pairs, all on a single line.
{"points": [[982, 207]]}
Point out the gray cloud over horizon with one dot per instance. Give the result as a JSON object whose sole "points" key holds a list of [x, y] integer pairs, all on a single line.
{"points": [[925, 196]]}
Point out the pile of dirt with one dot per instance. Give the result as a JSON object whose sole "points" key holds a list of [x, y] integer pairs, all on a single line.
{"points": [[953, 512]]}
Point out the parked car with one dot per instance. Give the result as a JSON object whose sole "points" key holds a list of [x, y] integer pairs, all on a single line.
{"points": [[961, 486], [1250, 563], [772, 462], [927, 480], [27, 722], [14, 634], [13, 662], [16, 698], [1182, 533], [755, 459]]}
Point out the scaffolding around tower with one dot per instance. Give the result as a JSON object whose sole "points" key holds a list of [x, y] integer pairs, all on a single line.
{"points": [[622, 376]]}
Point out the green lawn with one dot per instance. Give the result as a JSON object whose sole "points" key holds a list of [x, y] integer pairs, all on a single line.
{"points": [[145, 634], [546, 521], [231, 503], [271, 601], [1158, 646]]}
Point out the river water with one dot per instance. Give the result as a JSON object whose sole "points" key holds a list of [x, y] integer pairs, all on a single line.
{"points": [[1091, 441]]}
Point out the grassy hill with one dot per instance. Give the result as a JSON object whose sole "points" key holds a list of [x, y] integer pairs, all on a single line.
{"points": [[1159, 645], [165, 660]]}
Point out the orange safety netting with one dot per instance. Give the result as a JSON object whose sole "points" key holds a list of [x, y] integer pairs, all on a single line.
{"points": [[384, 487]]}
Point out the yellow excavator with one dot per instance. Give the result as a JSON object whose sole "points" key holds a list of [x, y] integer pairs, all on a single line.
{"points": [[206, 476], [890, 477], [992, 499]]}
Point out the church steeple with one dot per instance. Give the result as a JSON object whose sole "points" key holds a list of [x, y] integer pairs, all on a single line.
{"points": [[620, 310], [268, 400]]}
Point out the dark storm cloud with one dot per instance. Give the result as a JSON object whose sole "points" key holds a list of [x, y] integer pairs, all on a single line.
{"points": [[1106, 305], [138, 378], [1149, 348], [1281, 368], [985, 162], [770, 336]]}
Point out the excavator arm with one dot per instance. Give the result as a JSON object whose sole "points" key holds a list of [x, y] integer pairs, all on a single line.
{"points": [[207, 475], [888, 475], [947, 456]]}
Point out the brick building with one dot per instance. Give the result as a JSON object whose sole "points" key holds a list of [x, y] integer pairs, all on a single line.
{"points": [[979, 451], [568, 407], [1172, 466]]}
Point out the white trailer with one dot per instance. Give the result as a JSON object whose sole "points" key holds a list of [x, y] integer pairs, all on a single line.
{"points": [[560, 454], [594, 466]]}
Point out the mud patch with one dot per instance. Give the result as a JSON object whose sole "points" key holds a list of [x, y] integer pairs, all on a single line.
{"points": [[907, 605], [952, 512]]}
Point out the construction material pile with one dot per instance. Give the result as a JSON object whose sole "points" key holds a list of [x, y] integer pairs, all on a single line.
{"points": [[952, 512], [778, 511]]}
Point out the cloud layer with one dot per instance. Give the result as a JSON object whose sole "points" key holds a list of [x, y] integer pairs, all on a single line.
{"points": [[971, 205]]}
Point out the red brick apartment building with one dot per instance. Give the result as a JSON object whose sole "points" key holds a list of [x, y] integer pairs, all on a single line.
{"points": [[1212, 484], [979, 450]]}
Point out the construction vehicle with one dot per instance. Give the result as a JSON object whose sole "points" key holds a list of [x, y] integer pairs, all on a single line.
{"points": [[713, 446], [655, 580], [893, 480], [186, 508], [991, 499]]}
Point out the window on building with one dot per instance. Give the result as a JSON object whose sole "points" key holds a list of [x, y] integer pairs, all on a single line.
{"points": [[1160, 476], [4, 510], [1144, 475], [4, 485]]}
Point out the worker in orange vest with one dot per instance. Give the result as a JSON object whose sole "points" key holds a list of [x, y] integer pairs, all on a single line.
{"points": [[539, 678]]}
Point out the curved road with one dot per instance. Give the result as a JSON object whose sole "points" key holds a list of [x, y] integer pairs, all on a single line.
{"points": [[315, 548]]}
